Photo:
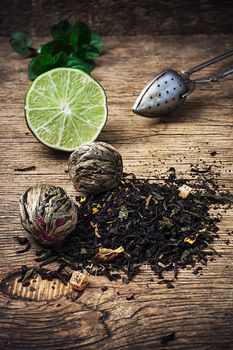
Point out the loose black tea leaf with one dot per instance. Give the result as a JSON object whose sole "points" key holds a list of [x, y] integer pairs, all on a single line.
{"points": [[26, 249], [21, 240], [28, 274], [28, 168], [144, 222], [167, 338], [213, 153], [130, 297]]}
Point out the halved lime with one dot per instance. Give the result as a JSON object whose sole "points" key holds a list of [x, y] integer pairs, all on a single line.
{"points": [[65, 108]]}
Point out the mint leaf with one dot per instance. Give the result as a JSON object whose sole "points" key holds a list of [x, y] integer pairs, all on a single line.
{"points": [[55, 46], [80, 35], [45, 62], [37, 64], [61, 30], [85, 33], [60, 60], [97, 42], [74, 36], [91, 53], [73, 46], [21, 43], [79, 63], [95, 48]]}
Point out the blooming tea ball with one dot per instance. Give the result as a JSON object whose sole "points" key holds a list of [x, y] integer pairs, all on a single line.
{"points": [[95, 167], [48, 214]]}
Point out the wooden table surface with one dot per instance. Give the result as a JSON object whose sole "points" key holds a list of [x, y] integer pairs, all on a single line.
{"points": [[200, 308]]}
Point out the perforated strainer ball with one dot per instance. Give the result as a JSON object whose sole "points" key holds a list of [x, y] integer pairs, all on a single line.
{"points": [[163, 95]]}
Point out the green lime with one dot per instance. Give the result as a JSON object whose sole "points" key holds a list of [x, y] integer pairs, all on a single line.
{"points": [[65, 108]]}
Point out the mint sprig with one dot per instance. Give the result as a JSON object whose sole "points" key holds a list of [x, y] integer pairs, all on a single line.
{"points": [[73, 46]]}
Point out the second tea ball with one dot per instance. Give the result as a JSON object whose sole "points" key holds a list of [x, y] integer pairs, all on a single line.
{"points": [[95, 167]]}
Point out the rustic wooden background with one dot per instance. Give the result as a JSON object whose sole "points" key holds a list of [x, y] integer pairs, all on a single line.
{"points": [[200, 308], [118, 17]]}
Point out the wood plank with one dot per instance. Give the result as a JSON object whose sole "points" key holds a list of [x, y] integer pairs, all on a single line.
{"points": [[133, 17], [199, 308]]}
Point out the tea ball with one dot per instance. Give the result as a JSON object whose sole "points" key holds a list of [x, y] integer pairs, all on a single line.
{"points": [[48, 214], [95, 167]]}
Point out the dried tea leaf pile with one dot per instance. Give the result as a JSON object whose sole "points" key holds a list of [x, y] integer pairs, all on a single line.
{"points": [[144, 222]]}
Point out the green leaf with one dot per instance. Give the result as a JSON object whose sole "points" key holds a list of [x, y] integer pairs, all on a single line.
{"points": [[85, 33], [74, 36], [91, 53], [95, 48], [97, 42], [60, 60], [21, 43], [80, 34], [61, 30], [72, 45], [79, 63], [38, 65], [55, 46], [45, 62]]}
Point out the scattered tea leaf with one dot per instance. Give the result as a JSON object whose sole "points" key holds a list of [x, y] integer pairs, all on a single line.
{"points": [[170, 285], [130, 297], [29, 274], [168, 235], [28, 168], [26, 249], [167, 338]]}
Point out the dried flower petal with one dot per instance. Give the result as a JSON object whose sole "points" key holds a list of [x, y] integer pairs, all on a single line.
{"points": [[107, 254], [95, 226], [184, 191], [95, 210], [79, 280], [148, 199], [123, 213], [190, 240]]}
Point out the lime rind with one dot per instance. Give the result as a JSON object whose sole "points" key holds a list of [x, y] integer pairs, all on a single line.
{"points": [[65, 108]]}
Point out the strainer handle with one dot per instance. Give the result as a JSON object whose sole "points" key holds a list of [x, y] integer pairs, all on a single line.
{"points": [[215, 77], [208, 63]]}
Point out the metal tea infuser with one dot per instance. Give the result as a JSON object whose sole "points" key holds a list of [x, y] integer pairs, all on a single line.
{"points": [[169, 89]]}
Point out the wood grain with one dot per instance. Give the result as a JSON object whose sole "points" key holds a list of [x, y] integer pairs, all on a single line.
{"points": [[200, 308], [118, 17]]}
